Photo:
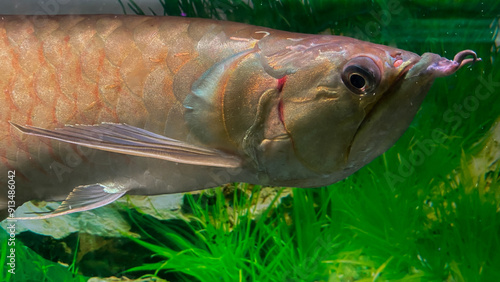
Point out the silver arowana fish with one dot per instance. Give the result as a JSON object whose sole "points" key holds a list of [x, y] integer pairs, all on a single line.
{"points": [[94, 107]]}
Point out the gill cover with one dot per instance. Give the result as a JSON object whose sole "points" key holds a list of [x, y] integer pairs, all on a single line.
{"points": [[233, 104]]}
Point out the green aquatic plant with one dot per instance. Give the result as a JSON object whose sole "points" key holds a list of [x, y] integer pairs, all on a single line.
{"points": [[231, 243], [341, 232], [30, 266]]}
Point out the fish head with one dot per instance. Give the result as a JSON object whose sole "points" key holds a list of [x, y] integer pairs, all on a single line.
{"points": [[390, 116], [344, 103]]}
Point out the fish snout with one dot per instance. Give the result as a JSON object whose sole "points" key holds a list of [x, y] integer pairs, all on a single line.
{"points": [[437, 66]]}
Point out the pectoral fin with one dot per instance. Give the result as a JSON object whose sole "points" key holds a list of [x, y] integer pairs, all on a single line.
{"points": [[84, 198], [130, 140]]}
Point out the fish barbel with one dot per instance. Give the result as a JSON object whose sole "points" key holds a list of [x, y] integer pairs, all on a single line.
{"points": [[94, 107]]}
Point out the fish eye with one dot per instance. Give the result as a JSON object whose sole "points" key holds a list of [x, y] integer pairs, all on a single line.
{"points": [[361, 75]]}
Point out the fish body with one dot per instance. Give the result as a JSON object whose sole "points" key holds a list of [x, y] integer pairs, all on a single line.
{"points": [[104, 105]]}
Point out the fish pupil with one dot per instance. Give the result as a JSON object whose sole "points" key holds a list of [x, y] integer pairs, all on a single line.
{"points": [[357, 81], [361, 75]]}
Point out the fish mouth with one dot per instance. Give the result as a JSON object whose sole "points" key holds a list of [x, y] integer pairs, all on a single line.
{"points": [[434, 65]]}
